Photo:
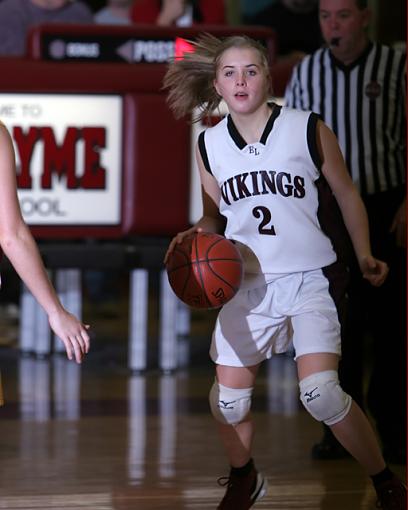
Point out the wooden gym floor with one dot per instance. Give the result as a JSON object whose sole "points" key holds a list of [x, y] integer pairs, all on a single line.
{"points": [[100, 438]]}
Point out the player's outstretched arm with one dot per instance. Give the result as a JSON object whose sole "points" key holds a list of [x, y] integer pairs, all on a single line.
{"points": [[20, 248], [350, 203]]}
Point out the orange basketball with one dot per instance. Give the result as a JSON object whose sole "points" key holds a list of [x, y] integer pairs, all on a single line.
{"points": [[205, 270]]}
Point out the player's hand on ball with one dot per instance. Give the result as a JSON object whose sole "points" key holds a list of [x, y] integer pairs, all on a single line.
{"points": [[374, 270], [72, 332], [178, 239]]}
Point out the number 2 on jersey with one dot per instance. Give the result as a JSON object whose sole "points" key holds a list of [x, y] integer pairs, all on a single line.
{"points": [[265, 227]]}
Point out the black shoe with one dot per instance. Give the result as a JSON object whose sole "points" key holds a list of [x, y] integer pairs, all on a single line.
{"points": [[329, 448], [392, 495], [242, 491]]}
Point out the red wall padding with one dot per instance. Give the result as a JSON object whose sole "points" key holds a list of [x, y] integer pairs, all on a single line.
{"points": [[156, 166]]}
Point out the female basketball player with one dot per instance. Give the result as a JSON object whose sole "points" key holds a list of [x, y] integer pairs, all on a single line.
{"points": [[269, 176], [19, 247]]}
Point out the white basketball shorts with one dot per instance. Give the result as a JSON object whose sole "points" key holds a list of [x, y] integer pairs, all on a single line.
{"points": [[291, 309]]}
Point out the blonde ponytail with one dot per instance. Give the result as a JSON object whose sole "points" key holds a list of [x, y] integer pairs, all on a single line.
{"points": [[190, 80]]}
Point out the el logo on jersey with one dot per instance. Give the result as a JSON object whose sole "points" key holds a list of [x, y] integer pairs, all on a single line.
{"points": [[254, 150]]}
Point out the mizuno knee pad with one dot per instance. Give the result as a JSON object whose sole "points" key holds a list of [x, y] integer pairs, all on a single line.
{"points": [[230, 405], [323, 397]]}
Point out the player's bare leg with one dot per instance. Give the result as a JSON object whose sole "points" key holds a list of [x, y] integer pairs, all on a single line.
{"points": [[354, 431], [237, 440], [356, 434], [244, 484]]}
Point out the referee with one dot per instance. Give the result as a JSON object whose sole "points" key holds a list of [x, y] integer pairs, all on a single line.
{"points": [[359, 89]]}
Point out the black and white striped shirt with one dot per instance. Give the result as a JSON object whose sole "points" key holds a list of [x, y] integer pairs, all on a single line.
{"points": [[364, 103]]}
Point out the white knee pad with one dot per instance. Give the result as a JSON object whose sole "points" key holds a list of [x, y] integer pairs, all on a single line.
{"points": [[230, 405], [323, 397]]}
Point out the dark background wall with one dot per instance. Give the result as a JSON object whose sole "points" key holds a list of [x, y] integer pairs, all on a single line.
{"points": [[391, 21]]}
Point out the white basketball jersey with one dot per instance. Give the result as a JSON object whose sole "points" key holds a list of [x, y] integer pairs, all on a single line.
{"points": [[271, 190]]}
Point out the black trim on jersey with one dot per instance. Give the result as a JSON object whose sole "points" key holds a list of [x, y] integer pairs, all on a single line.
{"points": [[269, 125], [203, 151], [312, 139], [236, 135]]}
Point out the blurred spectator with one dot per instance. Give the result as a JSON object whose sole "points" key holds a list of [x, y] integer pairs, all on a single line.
{"points": [[296, 23], [115, 12], [18, 16], [179, 12]]}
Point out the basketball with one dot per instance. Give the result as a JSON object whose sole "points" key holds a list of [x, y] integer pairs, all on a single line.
{"points": [[205, 270]]}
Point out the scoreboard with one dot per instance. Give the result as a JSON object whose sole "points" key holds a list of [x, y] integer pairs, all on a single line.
{"points": [[127, 44]]}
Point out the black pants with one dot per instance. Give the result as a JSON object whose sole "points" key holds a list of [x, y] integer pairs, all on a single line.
{"points": [[376, 327]]}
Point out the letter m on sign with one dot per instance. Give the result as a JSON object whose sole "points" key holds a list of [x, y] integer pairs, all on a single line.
{"points": [[59, 159]]}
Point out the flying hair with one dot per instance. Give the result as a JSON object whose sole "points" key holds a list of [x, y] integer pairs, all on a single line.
{"points": [[189, 80]]}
